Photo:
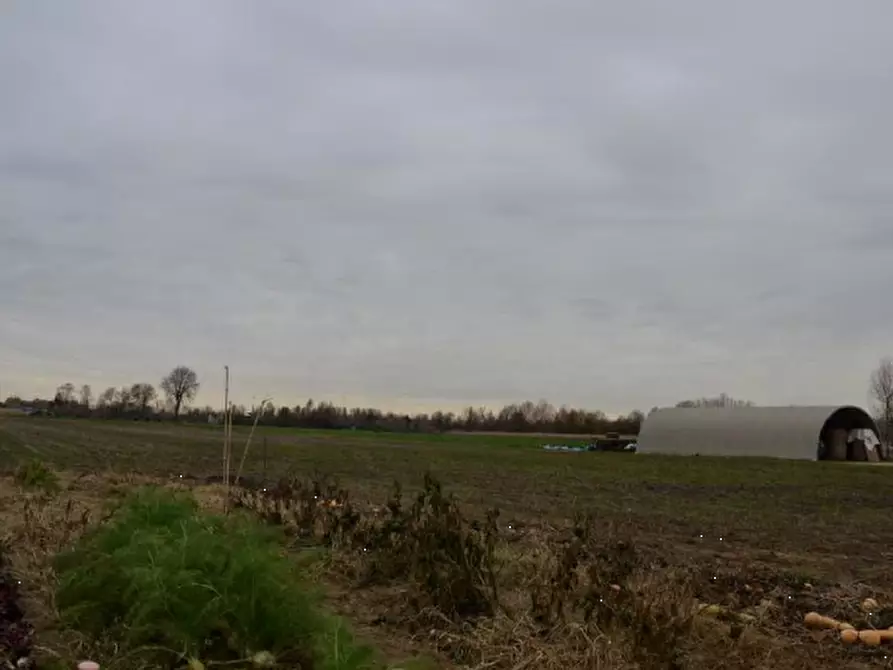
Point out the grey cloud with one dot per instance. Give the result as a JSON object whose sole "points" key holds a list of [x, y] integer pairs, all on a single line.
{"points": [[407, 203]]}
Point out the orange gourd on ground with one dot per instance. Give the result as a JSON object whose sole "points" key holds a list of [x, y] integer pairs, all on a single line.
{"points": [[874, 638], [870, 637], [816, 620]]}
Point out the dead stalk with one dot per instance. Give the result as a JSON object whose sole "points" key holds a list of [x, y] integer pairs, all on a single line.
{"points": [[227, 438], [257, 415]]}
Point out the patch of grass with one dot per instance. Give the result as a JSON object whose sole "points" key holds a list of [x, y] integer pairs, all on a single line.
{"points": [[36, 475], [172, 584]]}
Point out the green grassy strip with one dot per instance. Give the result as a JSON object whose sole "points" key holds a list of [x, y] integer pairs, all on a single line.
{"points": [[180, 585]]}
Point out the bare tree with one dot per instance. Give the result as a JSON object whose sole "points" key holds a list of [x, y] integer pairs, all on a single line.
{"points": [[123, 399], [881, 390], [543, 413], [65, 394], [142, 395], [107, 397], [86, 395], [180, 386], [637, 416]]}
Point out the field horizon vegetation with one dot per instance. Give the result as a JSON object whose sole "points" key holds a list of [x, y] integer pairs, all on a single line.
{"points": [[175, 397], [441, 550]]}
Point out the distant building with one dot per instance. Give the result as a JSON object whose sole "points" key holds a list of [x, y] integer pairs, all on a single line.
{"points": [[808, 433]]}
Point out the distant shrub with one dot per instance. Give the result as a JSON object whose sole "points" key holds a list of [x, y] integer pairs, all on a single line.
{"points": [[161, 575], [36, 475]]}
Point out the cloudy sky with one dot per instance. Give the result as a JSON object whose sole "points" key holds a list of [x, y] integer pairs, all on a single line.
{"points": [[434, 203]]}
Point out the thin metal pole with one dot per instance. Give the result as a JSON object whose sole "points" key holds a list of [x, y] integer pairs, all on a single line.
{"points": [[226, 426]]}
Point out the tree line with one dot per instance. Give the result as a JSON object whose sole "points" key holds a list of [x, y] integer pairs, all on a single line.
{"points": [[722, 400], [179, 388], [523, 417], [172, 398]]}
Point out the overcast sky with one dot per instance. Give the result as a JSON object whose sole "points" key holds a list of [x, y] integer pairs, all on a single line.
{"points": [[428, 203]]}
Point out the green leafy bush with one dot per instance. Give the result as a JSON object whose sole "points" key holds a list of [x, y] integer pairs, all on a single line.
{"points": [[161, 575]]}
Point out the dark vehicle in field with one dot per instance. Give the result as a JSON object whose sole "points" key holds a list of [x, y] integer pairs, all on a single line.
{"points": [[613, 442]]}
